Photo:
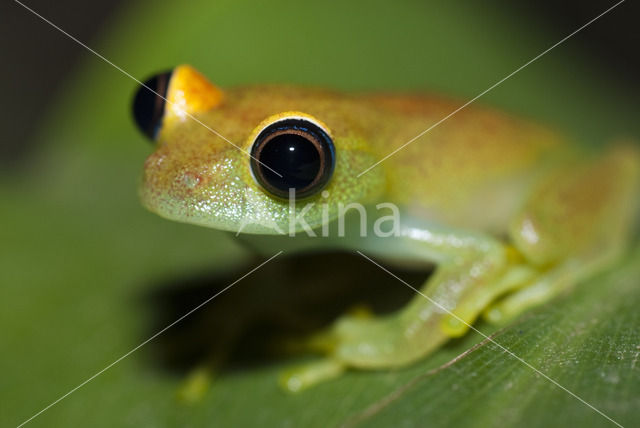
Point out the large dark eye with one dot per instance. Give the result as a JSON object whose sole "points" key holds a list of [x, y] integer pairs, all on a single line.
{"points": [[148, 108], [297, 149]]}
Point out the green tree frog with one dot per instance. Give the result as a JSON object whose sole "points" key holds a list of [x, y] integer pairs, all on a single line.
{"points": [[510, 213]]}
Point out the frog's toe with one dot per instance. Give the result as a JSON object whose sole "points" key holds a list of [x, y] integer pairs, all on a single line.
{"points": [[459, 320], [515, 304], [455, 326], [302, 377]]}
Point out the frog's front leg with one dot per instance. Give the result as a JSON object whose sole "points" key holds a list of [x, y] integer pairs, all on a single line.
{"points": [[473, 269]]}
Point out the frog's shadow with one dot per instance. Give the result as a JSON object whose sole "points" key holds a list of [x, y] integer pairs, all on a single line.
{"points": [[249, 323]]}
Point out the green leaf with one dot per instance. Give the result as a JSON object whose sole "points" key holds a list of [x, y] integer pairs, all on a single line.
{"points": [[79, 257]]}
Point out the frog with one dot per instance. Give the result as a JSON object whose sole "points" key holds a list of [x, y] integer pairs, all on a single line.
{"points": [[509, 213]]}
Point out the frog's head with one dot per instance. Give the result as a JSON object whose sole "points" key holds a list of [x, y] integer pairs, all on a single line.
{"points": [[232, 160]]}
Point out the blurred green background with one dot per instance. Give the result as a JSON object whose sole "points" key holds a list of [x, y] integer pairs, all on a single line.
{"points": [[86, 274]]}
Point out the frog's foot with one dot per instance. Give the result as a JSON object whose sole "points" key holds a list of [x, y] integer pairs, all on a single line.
{"points": [[299, 378], [355, 342]]}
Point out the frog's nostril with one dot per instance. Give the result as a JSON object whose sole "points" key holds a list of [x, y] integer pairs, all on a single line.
{"points": [[149, 103]]}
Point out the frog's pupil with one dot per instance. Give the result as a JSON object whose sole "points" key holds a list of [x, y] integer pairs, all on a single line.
{"points": [[300, 151], [294, 157], [148, 107]]}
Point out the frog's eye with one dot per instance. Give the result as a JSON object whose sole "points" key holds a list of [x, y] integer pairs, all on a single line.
{"points": [[148, 107], [170, 98], [297, 149]]}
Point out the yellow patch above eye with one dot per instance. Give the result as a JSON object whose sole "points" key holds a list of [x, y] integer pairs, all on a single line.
{"points": [[190, 92], [283, 116]]}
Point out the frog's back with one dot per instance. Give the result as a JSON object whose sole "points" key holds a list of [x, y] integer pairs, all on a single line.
{"points": [[472, 170]]}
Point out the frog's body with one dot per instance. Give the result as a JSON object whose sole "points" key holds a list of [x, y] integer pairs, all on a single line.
{"points": [[510, 212]]}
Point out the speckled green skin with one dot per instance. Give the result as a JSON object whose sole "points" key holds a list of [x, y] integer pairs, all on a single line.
{"points": [[199, 178], [511, 213]]}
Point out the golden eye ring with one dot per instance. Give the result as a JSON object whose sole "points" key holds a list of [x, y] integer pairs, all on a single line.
{"points": [[298, 149]]}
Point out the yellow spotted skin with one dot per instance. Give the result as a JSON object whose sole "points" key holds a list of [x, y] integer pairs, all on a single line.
{"points": [[511, 213]]}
